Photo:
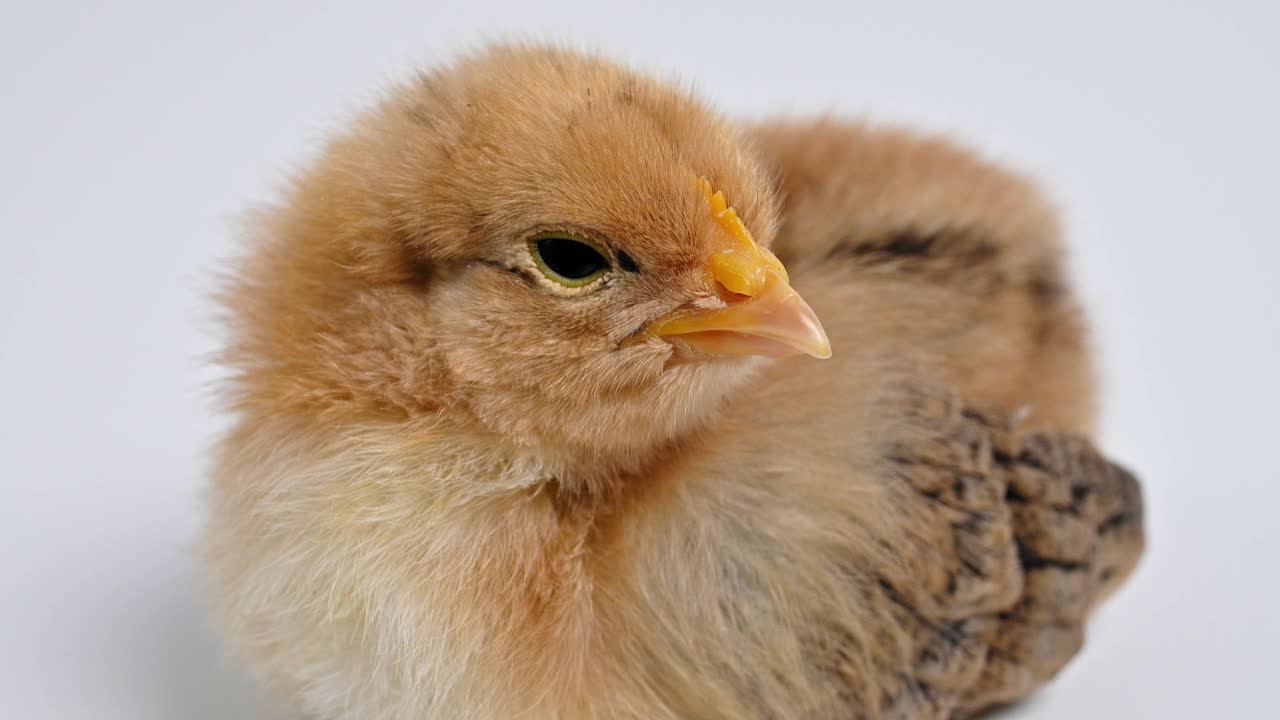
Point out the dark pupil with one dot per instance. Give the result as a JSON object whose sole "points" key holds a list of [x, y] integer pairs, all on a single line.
{"points": [[571, 258]]}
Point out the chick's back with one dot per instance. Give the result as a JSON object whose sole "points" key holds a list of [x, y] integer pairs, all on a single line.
{"points": [[918, 252]]}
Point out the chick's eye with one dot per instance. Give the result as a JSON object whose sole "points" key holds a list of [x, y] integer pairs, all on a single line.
{"points": [[567, 261]]}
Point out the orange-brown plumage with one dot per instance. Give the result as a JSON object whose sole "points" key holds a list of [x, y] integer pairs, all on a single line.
{"points": [[460, 488]]}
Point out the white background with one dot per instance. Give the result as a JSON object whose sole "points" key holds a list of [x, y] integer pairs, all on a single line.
{"points": [[131, 133]]}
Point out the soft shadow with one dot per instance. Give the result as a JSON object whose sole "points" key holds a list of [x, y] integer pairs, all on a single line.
{"points": [[189, 674], [1012, 711]]}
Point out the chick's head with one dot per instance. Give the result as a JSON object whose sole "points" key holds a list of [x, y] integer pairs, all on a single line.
{"points": [[564, 253]]}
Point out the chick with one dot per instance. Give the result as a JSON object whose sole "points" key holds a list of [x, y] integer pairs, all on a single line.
{"points": [[529, 421]]}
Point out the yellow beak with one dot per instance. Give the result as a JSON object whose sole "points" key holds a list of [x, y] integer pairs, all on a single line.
{"points": [[762, 314]]}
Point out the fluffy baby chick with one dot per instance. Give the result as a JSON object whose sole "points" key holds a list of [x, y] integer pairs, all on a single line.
{"points": [[532, 423]]}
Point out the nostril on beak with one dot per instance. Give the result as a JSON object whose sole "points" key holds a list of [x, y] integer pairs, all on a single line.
{"points": [[728, 296]]}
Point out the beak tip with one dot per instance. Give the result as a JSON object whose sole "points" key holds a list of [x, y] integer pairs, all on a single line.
{"points": [[819, 349], [815, 342]]}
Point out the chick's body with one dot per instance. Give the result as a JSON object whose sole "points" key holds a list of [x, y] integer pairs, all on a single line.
{"points": [[458, 490]]}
